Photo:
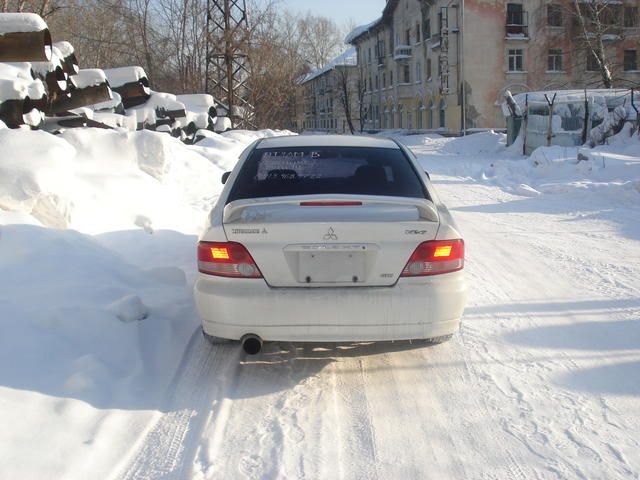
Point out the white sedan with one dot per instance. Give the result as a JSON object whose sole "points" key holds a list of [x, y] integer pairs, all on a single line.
{"points": [[329, 239]]}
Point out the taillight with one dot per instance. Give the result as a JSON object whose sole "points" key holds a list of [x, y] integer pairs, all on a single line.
{"points": [[435, 257], [228, 259]]}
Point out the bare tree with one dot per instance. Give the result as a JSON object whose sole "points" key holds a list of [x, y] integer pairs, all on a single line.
{"points": [[320, 39], [346, 94], [597, 18], [361, 91]]}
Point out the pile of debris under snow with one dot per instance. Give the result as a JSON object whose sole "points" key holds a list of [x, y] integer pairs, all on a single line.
{"points": [[569, 117], [42, 86]]}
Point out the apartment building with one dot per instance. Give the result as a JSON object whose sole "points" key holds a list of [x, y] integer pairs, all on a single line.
{"points": [[445, 64], [330, 97]]}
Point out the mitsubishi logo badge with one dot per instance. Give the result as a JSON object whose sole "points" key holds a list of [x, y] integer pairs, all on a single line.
{"points": [[331, 235]]}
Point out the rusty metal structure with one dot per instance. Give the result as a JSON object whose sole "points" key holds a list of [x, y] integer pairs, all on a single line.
{"points": [[227, 62]]}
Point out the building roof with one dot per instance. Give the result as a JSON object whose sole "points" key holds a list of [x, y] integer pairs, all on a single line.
{"points": [[348, 58], [302, 141], [361, 30], [387, 14]]}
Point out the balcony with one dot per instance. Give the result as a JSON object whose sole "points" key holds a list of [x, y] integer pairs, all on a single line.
{"points": [[517, 25], [402, 52]]}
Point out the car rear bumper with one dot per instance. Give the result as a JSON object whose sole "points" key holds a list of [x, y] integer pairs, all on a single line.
{"points": [[414, 308]]}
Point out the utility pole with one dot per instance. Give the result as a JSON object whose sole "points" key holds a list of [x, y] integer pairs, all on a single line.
{"points": [[227, 63]]}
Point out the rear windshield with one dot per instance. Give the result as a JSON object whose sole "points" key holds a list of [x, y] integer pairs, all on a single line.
{"points": [[282, 172]]}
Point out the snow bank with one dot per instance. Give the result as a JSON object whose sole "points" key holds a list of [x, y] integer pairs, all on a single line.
{"points": [[94, 322], [612, 170], [223, 149], [101, 180], [96, 180], [486, 142], [74, 368]]}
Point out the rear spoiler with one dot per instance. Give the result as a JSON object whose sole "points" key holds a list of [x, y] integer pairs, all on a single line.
{"points": [[426, 209]]}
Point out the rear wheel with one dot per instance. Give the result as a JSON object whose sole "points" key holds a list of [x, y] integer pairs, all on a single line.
{"points": [[438, 340]]}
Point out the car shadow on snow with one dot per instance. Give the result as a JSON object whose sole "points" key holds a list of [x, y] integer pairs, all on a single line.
{"points": [[281, 366], [614, 344]]}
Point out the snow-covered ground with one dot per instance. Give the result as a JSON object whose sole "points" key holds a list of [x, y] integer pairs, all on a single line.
{"points": [[103, 373]]}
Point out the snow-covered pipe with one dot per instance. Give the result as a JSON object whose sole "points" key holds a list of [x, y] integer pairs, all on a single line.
{"points": [[24, 37]]}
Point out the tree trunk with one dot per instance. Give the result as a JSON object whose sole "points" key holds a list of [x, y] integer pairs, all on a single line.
{"points": [[594, 41]]}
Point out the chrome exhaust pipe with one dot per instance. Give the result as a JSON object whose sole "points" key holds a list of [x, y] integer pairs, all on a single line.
{"points": [[251, 344]]}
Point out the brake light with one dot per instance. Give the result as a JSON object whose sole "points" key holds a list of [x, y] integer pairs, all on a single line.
{"points": [[435, 258], [226, 259], [330, 204]]}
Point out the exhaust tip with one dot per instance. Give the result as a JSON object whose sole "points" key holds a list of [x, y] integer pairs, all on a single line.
{"points": [[251, 344]]}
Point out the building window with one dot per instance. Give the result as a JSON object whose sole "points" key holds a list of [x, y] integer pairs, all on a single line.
{"points": [[380, 51], [516, 60], [418, 72], [428, 68], [554, 15], [384, 79], [417, 33], [406, 73], [377, 82], [443, 117], [426, 29], [630, 60], [407, 36], [592, 63], [630, 17], [369, 54], [555, 60], [516, 19], [391, 78]]}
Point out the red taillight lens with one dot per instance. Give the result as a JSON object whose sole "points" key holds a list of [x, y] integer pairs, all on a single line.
{"points": [[435, 258], [228, 259]]}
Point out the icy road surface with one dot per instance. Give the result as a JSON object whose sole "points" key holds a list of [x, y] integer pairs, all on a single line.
{"points": [[543, 381]]}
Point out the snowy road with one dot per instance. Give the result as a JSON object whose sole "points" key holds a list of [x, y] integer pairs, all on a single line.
{"points": [[542, 382]]}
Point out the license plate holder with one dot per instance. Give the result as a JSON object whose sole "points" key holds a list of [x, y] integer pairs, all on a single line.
{"points": [[331, 266]]}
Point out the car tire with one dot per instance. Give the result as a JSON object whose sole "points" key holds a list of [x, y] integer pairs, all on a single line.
{"points": [[438, 340], [215, 340]]}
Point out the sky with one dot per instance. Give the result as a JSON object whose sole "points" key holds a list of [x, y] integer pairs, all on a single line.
{"points": [[361, 11]]}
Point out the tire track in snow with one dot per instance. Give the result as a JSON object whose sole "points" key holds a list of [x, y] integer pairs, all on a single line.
{"points": [[168, 448]]}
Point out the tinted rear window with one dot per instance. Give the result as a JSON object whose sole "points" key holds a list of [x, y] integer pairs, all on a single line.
{"points": [[327, 170]]}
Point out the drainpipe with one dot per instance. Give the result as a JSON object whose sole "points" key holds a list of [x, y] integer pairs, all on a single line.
{"points": [[464, 87]]}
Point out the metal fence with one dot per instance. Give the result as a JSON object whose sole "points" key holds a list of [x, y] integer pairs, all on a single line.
{"points": [[568, 118]]}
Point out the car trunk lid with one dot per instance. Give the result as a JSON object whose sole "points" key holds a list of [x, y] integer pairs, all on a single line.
{"points": [[331, 241]]}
